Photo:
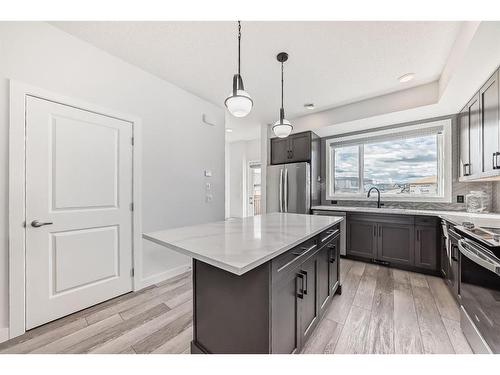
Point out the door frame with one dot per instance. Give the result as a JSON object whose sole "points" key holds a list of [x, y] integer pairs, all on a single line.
{"points": [[248, 183], [17, 193]]}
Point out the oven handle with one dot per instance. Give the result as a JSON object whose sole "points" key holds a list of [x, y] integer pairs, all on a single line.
{"points": [[488, 263]]}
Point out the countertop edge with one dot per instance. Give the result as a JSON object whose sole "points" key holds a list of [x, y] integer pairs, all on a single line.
{"points": [[238, 270]]}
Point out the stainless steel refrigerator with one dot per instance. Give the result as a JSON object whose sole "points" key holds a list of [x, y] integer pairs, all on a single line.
{"points": [[289, 188]]}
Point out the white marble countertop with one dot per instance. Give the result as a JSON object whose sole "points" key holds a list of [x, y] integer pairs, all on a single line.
{"points": [[457, 217], [239, 245]]}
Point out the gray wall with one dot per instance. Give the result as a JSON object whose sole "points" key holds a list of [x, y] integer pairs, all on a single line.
{"points": [[177, 146], [492, 189]]}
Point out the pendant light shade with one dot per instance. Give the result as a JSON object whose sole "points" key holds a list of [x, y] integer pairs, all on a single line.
{"points": [[238, 103], [282, 128]]}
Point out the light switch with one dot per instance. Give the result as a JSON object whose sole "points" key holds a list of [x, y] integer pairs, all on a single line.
{"points": [[208, 173]]}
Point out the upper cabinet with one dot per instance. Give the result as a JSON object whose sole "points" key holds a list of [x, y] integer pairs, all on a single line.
{"points": [[295, 148], [479, 134]]}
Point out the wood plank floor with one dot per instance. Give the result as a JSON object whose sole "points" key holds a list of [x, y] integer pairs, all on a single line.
{"points": [[381, 310]]}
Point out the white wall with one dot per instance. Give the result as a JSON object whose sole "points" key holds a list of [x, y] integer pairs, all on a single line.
{"points": [[240, 153], [177, 146]]}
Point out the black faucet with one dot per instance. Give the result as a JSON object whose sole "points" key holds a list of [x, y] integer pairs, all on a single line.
{"points": [[378, 192]]}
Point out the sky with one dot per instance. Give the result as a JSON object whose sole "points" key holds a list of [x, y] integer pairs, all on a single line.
{"points": [[395, 161]]}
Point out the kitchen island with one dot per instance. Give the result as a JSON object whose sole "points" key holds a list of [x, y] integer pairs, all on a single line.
{"points": [[260, 284]]}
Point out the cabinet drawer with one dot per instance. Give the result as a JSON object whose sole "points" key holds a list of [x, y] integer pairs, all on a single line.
{"points": [[293, 258], [426, 220]]}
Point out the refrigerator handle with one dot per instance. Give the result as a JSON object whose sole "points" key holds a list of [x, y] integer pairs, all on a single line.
{"points": [[286, 191], [281, 191]]}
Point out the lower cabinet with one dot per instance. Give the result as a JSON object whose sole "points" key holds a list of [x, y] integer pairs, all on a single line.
{"points": [[303, 290], [401, 240]]}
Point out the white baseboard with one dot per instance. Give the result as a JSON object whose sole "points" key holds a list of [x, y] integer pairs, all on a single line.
{"points": [[4, 334], [162, 276]]}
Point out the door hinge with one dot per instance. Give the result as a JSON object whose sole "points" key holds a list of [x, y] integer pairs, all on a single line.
{"points": [[132, 272], [132, 206], [132, 141]]}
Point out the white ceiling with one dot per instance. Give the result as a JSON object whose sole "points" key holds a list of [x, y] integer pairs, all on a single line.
{"points": [[331, 63]]}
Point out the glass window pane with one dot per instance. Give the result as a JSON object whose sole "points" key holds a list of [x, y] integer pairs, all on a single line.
{"points": [[405, 167], [346, 170]]}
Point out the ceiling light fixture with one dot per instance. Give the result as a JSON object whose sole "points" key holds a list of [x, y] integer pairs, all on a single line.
{"points": [[239, 103], [309, 106], [229, 130], [406, 77], [282, 128]]}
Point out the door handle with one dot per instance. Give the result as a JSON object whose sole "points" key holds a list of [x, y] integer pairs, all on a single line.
{"points": [[38, 224], [305, 282], [300, 291], [285, 193], [281, 191]]}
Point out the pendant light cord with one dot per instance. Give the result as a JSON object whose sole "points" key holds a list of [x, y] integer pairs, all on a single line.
{"points": [[239, 46], [282, 85]]}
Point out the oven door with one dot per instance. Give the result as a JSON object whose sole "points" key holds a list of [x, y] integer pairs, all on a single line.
{"points": [[480, 291]]}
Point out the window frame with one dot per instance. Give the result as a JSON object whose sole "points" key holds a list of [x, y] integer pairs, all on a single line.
{"points": [[444, 159]]}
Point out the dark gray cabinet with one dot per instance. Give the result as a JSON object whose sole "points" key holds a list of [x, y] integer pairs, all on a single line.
{"points": [[479, 133], [426, 246], [309, 313], [401, 240], [273, 308], [361, 237], [328, 273], [305, 279], [293, 149], [285, 307], [490, 124], [453, 277]]}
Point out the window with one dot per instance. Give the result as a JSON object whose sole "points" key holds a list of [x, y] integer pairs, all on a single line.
{"points": [[411, 163]]}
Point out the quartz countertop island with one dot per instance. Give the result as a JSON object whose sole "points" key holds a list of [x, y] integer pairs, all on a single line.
{"points": [[240, 245], [260, 284]]}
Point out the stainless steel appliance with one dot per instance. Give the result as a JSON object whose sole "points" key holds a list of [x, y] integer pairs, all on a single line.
{"points": [[480, 288], [289, 188]]}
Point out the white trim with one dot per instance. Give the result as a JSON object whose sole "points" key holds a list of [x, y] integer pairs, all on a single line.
{"points": [[162, 276], [17, 183], [446, 155], [4, 334]]}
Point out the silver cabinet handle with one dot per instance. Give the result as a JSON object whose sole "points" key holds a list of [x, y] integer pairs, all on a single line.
{"points": [[330, 234], [38, 224]]}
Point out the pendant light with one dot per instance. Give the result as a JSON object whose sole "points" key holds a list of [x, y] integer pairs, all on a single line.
{"points": [[238, 103], [282, 128]]}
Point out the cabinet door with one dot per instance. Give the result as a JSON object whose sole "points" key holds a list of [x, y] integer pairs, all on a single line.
{"points": [[361, 238], [334, 263], [443, 259], [309, 309], [426, 247], [300, 147], [476, 156], [324, 274], [464, 150], [490, 124], [285, 310], [395, 243], [280, 151]]}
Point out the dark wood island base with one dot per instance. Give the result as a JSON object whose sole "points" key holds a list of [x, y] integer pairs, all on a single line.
{"points": [[273, 308]]}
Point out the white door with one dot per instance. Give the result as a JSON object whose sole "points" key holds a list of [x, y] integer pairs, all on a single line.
{"points": [[79, 184]]}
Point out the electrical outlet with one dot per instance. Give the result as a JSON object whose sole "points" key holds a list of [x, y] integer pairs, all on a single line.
{"points": [[208, 198], [460, 199]]}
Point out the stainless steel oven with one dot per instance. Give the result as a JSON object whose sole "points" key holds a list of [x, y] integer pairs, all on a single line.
{"points": [[480, 296]]}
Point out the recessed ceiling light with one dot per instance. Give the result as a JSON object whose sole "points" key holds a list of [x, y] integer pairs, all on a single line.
{"points": [[309, 106], [406, 77], [229, 130]]}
